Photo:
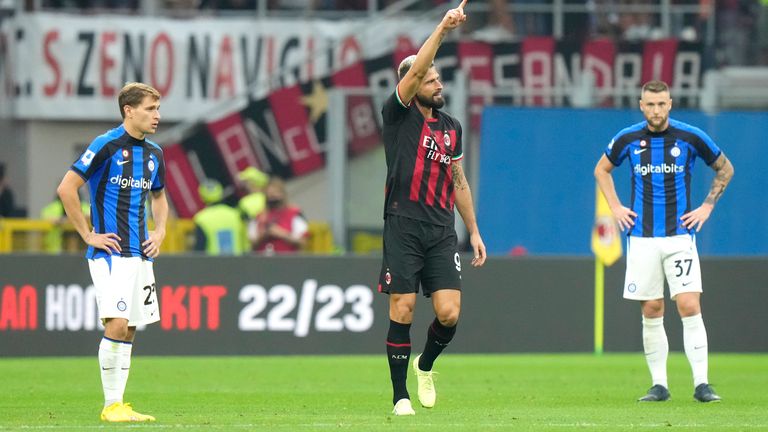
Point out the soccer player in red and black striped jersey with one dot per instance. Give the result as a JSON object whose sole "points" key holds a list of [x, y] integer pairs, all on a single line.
{"points": [[123, 169], [424, 181]]}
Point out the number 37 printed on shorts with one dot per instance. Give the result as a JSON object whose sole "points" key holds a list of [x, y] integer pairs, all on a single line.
{"points": [[328, 308]]}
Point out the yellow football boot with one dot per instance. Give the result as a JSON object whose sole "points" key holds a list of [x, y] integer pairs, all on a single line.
{"points": [[123, 412]]}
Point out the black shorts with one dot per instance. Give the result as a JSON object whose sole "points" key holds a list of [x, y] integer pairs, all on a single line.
{"points": [[417, 252]]}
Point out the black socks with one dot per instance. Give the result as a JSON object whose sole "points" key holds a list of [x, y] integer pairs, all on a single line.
{"points": [[398, 356], [438, 337]]}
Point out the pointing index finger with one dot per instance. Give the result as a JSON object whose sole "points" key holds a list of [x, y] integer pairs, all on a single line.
{"points": [[463, 3]]}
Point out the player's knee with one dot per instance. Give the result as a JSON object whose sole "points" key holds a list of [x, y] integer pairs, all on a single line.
{"points": [[653, 308], [401, 311], [688, 304], [689, 308], [117, 329], [449, 316]]}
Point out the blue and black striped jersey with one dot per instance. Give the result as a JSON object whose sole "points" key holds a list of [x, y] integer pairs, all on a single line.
{"points": [[120, 171], [661, 164]]}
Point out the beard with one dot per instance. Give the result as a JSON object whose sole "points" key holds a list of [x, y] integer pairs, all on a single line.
{"points": [[657, 123], [432, 102]]}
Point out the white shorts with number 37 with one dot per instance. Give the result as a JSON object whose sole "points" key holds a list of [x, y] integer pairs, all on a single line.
{"points": [[126, 289], [651, 259]]}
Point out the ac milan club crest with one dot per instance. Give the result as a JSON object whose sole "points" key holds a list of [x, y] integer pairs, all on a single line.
{"points": [[388, 278]]}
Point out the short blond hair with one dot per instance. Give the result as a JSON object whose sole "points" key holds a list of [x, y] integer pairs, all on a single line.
{"points": [[655, 86], [133, 93]]}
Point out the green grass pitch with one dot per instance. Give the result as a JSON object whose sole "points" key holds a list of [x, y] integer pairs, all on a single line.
{"points": [[538, 392]]}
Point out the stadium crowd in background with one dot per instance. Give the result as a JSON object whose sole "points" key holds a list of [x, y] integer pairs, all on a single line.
{"points": [[737, 22]]}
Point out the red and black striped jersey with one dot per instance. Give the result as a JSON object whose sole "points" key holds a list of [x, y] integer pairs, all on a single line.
{"points": [[419, 155]]}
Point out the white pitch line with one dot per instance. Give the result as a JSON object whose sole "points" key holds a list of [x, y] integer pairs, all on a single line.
{"points": [[343, 425]]}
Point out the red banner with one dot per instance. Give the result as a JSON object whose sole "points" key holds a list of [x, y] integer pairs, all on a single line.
{"points": [[299, 138], [181, 182]]}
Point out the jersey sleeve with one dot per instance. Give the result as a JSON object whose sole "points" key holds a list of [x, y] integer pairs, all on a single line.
{"points": [[705, 147], [159, 181], [458, 153], [616, 150], [393, 110], [93, 157]]}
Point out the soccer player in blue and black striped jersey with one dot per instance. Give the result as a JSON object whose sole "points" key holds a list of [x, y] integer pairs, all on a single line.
{"points": [[661, 225], [122, 169]]}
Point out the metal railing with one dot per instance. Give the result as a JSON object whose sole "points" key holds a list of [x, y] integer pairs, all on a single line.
{"points": [[19, 235], [558, 9]]}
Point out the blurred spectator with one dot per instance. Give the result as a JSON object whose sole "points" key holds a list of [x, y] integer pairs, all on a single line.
{"points": [[736, 20], [280, 229], [497, 26], [692, 26], [218, 227], [185, 5], [54, 213], [67, 4], [638, 25], [533, 24], [91, 4], [7, 208], [504, 21], [255, 201], [579, 26], [228, 4], [350, 4], [296, 5]]}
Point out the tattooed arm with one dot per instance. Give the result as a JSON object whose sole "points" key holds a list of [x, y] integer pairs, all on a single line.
{"points": [[467, 211], [723, 175]]}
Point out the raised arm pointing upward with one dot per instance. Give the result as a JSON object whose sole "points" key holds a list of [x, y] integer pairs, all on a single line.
{"points": [[424, 180]]}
